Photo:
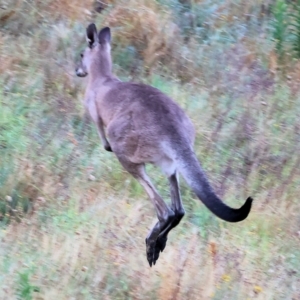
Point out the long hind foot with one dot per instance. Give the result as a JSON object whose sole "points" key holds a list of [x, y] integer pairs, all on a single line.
{"points": [[157, 238], [157, 243], [153, 248]]}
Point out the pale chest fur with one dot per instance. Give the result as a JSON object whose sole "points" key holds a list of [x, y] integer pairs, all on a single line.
{"points": [[94, 103]]}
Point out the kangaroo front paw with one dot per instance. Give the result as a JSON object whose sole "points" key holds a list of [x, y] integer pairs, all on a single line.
{"points": [[107, 147]]}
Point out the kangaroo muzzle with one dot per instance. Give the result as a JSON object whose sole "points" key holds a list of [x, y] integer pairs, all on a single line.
{"points": [[80, 72]]}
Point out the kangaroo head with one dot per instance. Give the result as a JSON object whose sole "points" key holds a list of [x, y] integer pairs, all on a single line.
{"points": [[95, 59]]}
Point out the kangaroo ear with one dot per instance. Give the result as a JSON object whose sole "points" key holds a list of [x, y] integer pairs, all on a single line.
{"points": [[104, 35], [91, 35]]}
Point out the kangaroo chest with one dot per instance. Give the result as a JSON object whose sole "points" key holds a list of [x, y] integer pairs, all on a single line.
{"points": [[96, 105]]}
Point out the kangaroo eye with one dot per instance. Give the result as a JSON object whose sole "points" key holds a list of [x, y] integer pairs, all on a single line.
{"points": [[81, 55]]}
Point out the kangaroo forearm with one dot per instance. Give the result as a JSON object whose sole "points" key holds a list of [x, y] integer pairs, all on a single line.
{"points": [[102, 136]]}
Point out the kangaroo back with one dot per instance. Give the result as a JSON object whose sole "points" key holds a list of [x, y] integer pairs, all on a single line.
{"points": [[192, 172]]}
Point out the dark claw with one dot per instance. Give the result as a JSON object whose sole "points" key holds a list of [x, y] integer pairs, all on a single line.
{"points": [[153, 248], [161, 243], [150, 246], [150, 250], [107, 147]]}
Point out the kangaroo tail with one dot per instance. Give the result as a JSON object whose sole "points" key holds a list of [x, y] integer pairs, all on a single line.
{"points": [[192, 172]]}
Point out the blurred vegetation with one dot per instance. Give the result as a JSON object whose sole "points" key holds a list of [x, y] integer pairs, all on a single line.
{"points": [[73, 222]]}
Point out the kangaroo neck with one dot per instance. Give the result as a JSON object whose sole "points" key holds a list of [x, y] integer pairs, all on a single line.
{"points": [[100, 76], [101, 69]]}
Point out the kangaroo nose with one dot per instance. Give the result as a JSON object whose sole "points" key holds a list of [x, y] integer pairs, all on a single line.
{"points": [[80, 72], [77, 70]]}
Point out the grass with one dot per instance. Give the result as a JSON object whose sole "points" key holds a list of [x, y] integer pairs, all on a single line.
{"points": [[73, 222]]}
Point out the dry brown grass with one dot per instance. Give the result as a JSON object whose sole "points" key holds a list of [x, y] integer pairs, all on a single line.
{"points": [[101, 252], [8, 10], [144, 25], [72, 10], [9, 62]]}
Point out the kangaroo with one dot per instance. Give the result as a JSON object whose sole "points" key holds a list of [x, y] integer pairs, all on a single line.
{"points": [[143, 125]]}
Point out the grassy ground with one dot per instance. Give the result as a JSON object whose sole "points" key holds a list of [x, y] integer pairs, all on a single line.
{"points": [[73, 222]]}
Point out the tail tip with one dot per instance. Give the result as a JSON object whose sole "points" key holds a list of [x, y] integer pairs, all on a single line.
{"points": [[249, 200], [247, 207]]}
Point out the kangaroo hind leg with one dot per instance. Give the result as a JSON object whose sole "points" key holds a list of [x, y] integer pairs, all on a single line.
{"points": [[164, 214], [176, 207]]}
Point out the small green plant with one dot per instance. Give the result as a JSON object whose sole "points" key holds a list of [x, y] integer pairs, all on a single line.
{"points": [[280, 26], [295, 28], [25, 289]]}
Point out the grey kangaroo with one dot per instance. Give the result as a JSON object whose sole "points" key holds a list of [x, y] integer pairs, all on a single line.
{"points": [[143, 125]]}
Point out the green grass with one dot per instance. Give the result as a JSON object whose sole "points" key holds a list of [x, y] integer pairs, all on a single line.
{"points": [[73, 222]]}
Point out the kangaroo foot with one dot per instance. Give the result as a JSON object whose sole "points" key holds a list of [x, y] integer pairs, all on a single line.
{"points": [[107, 147], [154, 247], [157, 240]]}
